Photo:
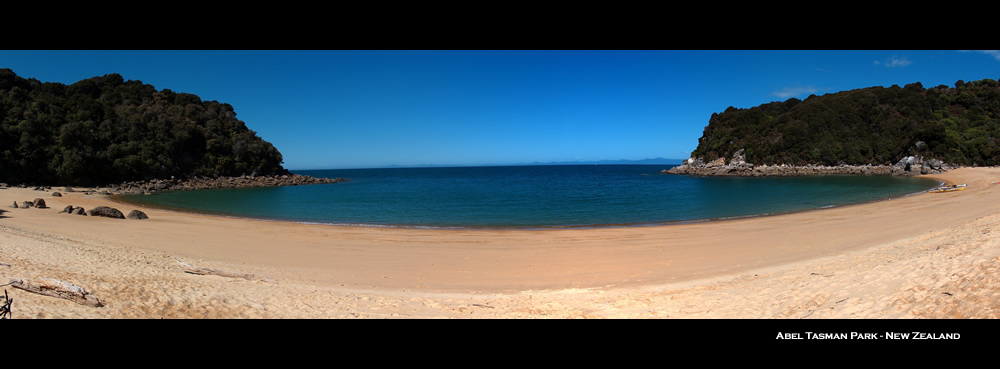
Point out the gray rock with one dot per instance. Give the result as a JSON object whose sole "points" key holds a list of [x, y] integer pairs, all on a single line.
{"points": [[56, 194], [79, 211], [935, 164], [738, 158], [40, 203], [136, 214], [104, 211]]}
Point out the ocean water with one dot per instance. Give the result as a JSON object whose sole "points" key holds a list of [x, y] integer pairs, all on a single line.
{"points": [[560, 196]]}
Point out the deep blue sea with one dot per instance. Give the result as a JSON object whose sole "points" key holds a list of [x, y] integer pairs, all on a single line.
{"points": [[559, 196]]}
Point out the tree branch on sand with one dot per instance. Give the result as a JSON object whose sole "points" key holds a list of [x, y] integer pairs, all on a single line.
{"points": [[5, 306], [193, 269], [57, 288]]}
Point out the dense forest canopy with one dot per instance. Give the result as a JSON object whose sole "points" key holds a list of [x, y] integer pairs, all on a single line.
{"points": [[876, 125], [105, 130]]}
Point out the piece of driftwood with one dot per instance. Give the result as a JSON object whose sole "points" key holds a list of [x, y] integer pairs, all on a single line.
{"points": [[193, 269], [5, 306], [57, 288]]}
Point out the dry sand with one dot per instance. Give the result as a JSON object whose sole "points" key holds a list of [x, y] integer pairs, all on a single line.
{"points": [[922, 256]]}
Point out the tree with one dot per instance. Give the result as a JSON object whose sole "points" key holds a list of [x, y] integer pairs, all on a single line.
{"points": [[105, 129]]}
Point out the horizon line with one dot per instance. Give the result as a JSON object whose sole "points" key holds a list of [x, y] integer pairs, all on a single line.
{"points": [[648, 161]]}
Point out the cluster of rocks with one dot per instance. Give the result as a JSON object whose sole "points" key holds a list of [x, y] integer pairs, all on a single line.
{"points": [[105, 211], [36, 188], [100, 211], [908, 166], [38, 203], [70, 209], [196, 183], [151, 186], [202, 183]]}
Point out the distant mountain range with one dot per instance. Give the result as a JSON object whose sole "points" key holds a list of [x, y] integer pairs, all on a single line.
{"points": [[647, 161], [620, 161]]}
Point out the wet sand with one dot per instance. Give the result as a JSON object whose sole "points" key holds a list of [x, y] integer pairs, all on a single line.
{"points": [[921, 256]]}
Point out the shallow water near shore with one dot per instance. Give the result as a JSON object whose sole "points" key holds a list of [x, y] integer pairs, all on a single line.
{"points": [[563, 196]]}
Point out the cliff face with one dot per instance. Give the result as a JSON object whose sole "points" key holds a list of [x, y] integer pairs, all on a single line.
{"points": [[891, 130]]}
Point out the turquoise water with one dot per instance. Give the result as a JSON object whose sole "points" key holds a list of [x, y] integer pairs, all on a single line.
{"points": [[532, 197]]}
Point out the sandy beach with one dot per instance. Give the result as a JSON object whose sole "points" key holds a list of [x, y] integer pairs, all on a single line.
{"points": [[927, 255]]}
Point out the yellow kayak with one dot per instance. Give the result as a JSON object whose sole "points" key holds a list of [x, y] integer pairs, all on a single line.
{"points": [[947, 189]]}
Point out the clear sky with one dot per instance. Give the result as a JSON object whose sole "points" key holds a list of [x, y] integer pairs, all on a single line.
{"points": [[327, 109]]}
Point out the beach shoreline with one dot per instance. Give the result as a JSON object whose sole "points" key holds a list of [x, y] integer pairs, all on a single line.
{"points": [[919, 256]]}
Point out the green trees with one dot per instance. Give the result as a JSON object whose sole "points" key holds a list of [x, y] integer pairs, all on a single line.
{"points": [[865, 126], [105, 129]]}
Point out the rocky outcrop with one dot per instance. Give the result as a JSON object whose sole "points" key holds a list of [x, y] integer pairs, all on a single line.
{"points": [[737, 166], [196, 183], [204, 183], [915, 165]]}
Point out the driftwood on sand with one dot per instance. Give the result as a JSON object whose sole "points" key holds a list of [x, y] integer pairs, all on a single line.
{"points": [[193, 269], [57, 288]]}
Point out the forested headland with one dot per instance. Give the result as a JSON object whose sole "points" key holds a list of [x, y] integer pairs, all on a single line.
{"points": [[108, 130], [957, 125]]}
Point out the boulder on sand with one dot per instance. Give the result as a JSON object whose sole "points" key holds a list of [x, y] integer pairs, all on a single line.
{"points": [[104, 211], [136, 214]]}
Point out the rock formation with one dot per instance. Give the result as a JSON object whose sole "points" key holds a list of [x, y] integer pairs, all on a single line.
{"points": [[737, 166], [203, 183]]}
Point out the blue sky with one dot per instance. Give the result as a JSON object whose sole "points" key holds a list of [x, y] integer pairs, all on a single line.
{"points": [[375, 108]]}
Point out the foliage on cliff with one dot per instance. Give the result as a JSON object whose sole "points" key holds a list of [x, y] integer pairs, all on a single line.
{"points": [[106, 130], [876, 125]]}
